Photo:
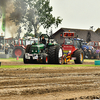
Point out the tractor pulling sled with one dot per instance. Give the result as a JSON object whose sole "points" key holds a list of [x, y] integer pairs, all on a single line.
{"points": [[52, 52]]}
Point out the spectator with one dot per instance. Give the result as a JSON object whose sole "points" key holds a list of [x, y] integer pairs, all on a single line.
{"points": [[92, 53], [6, 48], [89, 53], [97, 53], [85, 53], [1, 46], [12, 44]]}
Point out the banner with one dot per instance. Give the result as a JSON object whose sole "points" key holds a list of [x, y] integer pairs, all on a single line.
{"points": [[3, 21]]}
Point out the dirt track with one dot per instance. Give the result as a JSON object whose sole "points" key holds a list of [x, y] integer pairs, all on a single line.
{"points": [[73, 83]]}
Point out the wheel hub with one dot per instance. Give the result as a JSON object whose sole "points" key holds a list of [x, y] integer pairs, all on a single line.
{"points": [[18, 52]]}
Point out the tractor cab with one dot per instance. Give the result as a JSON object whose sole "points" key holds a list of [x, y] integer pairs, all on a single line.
{"points": [[49, 41], [74, 42], [45, 37]]}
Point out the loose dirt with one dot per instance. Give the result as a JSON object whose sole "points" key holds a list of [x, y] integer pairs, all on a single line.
{"points": [[74, 83]]}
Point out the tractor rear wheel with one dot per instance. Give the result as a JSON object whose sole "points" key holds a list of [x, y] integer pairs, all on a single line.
{"points": [[79, 57], [55, 54], [18, 52]]}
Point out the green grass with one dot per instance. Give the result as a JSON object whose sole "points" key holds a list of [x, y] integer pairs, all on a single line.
{"points": [[42, 65], [21, 60], [48, 65]]}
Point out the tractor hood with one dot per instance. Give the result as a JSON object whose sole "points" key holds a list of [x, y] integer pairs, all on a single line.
{"points": [[37, 48], [38, 45]]}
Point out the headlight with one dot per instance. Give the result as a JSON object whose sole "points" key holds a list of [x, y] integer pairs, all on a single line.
{"points": [[27, 56]]}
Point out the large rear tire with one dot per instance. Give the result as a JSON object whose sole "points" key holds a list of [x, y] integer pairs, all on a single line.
{"points": [[55, 54], [79, 54], [18, 51]]}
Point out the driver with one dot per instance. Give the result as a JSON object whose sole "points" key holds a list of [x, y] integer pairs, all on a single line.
{"points": [[43, 40]]}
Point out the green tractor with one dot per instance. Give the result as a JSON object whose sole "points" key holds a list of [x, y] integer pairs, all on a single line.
{"points": [[50, 52]]}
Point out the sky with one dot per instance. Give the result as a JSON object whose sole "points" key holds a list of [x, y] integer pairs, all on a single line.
{"points": [[79, 14]]}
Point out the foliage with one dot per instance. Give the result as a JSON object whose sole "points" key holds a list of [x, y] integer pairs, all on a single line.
{"points": [[32, 35], [28, 34], [46, 18], [44, 14], [34, 14]]}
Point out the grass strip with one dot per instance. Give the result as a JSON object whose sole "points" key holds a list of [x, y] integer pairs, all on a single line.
{"points": [[47, 65]]}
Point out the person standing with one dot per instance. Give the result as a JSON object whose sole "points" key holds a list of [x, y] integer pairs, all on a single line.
{"points": [[92, 53], [85, 53], [89, 53], [97, 53]]}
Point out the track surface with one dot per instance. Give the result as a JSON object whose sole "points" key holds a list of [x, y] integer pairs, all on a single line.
{"points": [[72, 83]]}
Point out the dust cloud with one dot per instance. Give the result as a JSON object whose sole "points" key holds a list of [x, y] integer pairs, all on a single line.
{"points": [[9, 7]]}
